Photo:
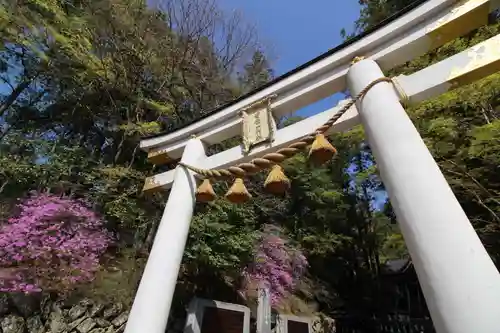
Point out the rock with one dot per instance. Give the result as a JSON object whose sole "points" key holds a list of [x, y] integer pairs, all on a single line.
{"points": [[98, 330], [46, 306], [86, 302], [111, 329], [121, 319], [26, 305], [76, 312], [113, 311], [13, 324], [86, 326], [74, 324], [102, 322], [74, 299], [96, 309], [57, 307], [120, 329], [34, 325], [4, 304], [57, 324]]}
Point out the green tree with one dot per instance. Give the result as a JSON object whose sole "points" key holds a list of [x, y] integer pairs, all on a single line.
{"points": [[256, 73]]}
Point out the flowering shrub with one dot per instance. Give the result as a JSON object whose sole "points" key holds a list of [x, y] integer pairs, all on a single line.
{"points": [[52, 244], [276, 266]]}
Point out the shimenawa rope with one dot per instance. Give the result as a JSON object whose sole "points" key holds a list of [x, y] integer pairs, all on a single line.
{"points": [[268, 160]]}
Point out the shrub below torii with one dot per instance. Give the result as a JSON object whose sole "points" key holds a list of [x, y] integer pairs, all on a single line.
{"points": [[52, 244]]}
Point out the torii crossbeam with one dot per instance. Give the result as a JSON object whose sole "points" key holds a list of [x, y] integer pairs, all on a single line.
{"points": [[460, 283]]}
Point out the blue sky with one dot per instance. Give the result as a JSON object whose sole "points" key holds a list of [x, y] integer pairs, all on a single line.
{"points": [[298, 31]]}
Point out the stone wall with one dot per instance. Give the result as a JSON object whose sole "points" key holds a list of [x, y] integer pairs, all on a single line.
{"points": [[27, 314], [24, 314]]}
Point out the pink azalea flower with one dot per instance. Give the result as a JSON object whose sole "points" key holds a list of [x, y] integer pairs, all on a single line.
{"points": [[49, 233]]}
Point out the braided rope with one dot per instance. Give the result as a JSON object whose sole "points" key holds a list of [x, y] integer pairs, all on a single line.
{"points": [[405, 100], [268, 160]]}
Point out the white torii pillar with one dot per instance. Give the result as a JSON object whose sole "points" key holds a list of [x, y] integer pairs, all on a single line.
{"points": [[151, 307], [460, 283]]}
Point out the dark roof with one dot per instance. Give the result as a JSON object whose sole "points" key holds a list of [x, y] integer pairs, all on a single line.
{"points": [[295, 70]]}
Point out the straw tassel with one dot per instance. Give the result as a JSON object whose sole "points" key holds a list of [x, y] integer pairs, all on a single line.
{"points": [[238, 193], [277, 182], [321, 150], [205, 192]]}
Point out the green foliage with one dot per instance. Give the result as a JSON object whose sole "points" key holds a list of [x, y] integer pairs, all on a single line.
{"points": [[485, 143], [222, 238], [256, 73], [122, 276]]}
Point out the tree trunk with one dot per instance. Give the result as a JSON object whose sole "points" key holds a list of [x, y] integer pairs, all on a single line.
{"points": [[148, 243]]}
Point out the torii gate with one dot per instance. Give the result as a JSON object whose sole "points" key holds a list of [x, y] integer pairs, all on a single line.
{"points": [[460, 282]]}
